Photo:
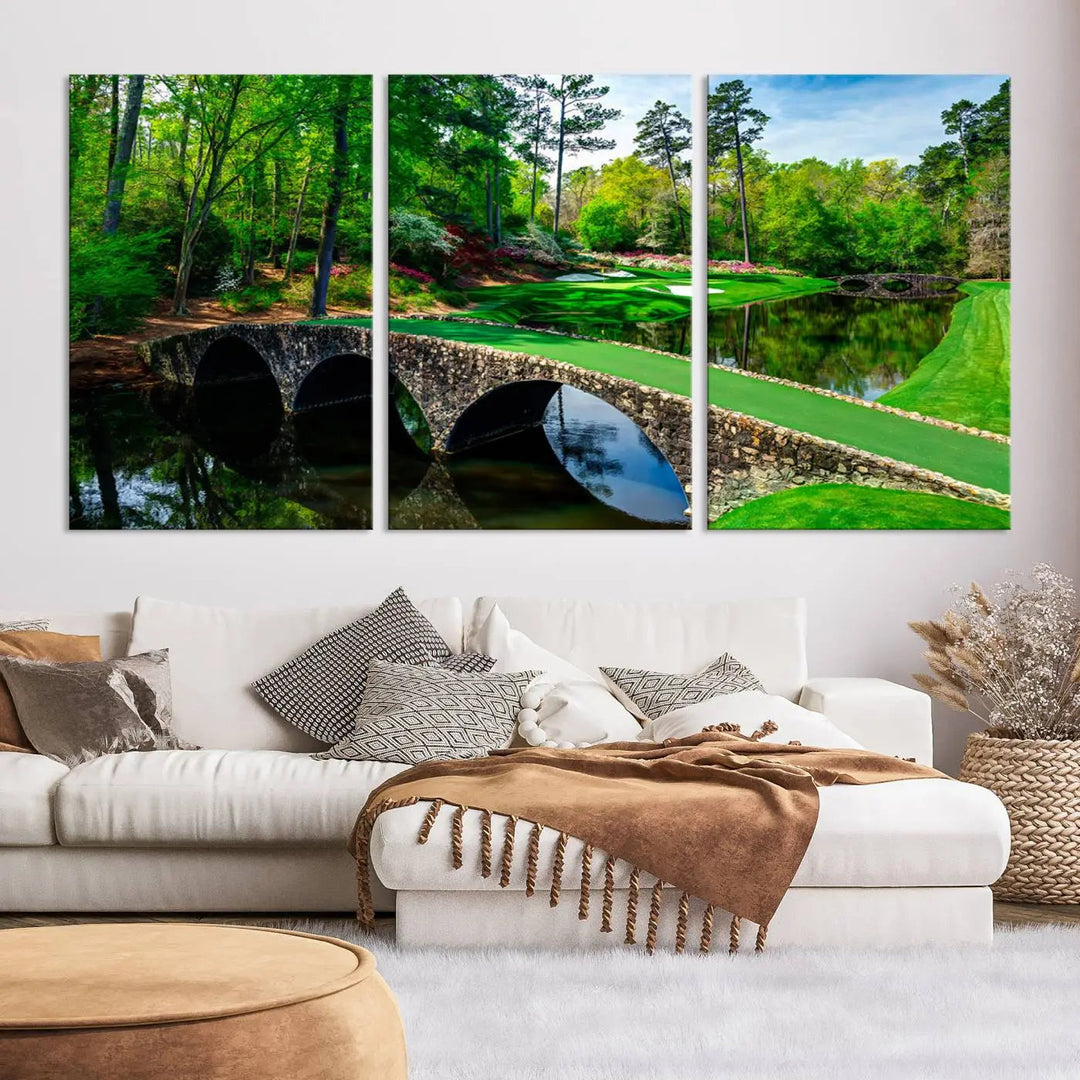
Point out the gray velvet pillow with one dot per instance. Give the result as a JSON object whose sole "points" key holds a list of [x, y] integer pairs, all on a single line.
{"points": [[73, 712]]}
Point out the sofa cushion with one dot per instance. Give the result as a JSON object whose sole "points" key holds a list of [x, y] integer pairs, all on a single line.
{"points": [[26, 792], [905, 833], [213, 797], [216, 653], [768, 636]]}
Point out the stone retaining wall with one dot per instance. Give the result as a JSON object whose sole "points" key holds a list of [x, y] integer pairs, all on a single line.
{"points": [[749, 458]]}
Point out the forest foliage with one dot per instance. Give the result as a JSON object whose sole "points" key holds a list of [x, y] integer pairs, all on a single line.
{"points": [[483, 160], [948, 213], [231, 185]]}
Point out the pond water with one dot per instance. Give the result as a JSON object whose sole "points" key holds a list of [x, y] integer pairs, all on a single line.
{"points": [[849, 344], [586, 466], [220, 457], [668, 335]]}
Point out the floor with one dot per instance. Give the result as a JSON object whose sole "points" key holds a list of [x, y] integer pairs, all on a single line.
{"points": [[1005, 914]]}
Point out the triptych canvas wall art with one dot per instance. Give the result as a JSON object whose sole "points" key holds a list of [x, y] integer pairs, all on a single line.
{"points": [[541, 282]]}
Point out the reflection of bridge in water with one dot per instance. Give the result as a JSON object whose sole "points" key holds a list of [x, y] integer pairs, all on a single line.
{"points": [[896, 286], [468, 394]]}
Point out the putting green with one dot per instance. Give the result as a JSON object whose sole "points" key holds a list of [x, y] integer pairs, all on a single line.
{"points": [[969, 458], [966, 378], [849, 506]]}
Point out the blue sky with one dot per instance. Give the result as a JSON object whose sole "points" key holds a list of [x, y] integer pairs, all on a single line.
{"points": [[634, 95], [857, 116]]}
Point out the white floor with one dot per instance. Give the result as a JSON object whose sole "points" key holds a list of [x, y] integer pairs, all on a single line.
{"points": [[964, 1013]]}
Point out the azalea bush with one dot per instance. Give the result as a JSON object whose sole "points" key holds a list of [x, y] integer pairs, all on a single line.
{"points": [[409, 272], [1010, 655]]}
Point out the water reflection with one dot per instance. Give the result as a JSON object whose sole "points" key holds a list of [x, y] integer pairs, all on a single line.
{"points": [[585, 466], [222, 456], [849, 344], [669, 335]]}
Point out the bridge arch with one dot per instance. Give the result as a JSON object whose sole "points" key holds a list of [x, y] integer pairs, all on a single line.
{"points": [[334, 380], [503, 409], [897, 285], [229, 359]]}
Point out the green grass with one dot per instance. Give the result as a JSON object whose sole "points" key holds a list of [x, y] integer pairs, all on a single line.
{"points": [[849, 506], [748, 288], [970, 458], [966, 378]]}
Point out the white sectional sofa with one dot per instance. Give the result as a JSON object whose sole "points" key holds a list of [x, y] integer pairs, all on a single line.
{"points": [[252, 823]]}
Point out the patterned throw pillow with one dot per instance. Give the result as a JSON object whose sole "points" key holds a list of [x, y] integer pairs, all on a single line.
{"points": [[414, 714], [23, 624], [651, 694], [320, 690]]}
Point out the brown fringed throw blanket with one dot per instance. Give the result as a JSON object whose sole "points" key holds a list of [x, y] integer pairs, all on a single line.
{"points": [[717, 815]]}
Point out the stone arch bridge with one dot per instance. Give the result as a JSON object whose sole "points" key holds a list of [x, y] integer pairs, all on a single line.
{"points": [[896, 286], [469, 394]]}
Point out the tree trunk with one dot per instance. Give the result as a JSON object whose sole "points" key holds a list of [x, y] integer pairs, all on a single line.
{"points": [[339, 172], [675, 188], [535, 163], [118, 174], [249, 265], [114, 124], [294, 233], [498, 204], [558, 166], [185, 135], [487, 198], [742, 194], [273, 256]]}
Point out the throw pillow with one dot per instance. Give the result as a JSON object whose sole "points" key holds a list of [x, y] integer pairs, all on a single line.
{"points": [[649, 694], [566, 706], [23, 624], [412, 714], [580, 713], [72, 712], [751, 710], [37, 645], [320, 690]]}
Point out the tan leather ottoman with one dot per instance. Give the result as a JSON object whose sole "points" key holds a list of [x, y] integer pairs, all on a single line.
{"points": [[149, 1001]]}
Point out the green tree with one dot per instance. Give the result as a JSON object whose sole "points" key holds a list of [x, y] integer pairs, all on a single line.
{"points": [[581, 115], [663, 134], [537, 131], [732, 124], [962, 120]]}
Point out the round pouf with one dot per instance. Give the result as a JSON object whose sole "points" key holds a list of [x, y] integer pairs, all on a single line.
{"points": [[150, 1001]]}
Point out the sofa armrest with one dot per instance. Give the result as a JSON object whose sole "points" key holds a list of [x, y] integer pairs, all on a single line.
{"points": [[883, 716]]}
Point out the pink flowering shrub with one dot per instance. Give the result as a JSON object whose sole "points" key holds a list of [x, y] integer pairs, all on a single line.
{"points": [[649, 260], [415, 275]]}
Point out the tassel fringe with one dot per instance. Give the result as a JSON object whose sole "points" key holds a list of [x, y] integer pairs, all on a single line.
{"points": [[684, 918], [586, 882], [534, 856], [631, 907], [766, 728], [609, 895], [654, 917], [485, 843], [557, 870], [365, 912], [429, 820], [706, 929], [508, 851]]}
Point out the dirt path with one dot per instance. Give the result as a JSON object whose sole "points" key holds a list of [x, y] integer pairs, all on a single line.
{"points": [[111, 358]]}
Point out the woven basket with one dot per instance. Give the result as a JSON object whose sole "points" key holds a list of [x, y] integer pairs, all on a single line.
{"points": [[1038, 780]]}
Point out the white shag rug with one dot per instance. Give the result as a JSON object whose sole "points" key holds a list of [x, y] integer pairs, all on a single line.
{"points": [[1010, 1012]]}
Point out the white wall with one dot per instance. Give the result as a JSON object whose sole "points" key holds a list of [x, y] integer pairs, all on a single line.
{"points": [[862, 587]]}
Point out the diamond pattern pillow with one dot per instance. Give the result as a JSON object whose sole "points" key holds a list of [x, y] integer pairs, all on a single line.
{"points": [[320, 690], [413, 714], [651, 694]]}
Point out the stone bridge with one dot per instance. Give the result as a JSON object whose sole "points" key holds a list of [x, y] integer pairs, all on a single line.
{"points": [[471, 394], [896, 286], [313, 365]]}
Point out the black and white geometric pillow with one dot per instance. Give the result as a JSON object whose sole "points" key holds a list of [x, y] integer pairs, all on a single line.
{"points": [[320, 690], [23, 624], [414, 714], [651, 694]]}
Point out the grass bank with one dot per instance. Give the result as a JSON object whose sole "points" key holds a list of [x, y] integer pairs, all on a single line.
{"points": [[739, 289], [849, 506], [966, 378]]}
